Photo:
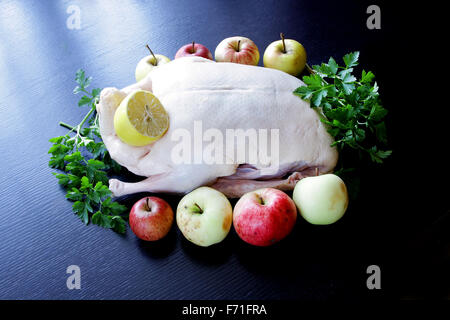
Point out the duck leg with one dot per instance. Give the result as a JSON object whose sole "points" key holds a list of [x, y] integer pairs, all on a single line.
{"points": [[235, 188]]}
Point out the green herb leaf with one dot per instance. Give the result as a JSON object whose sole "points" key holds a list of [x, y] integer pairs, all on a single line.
{"points": [[379, 155], [318, 96], [118, 224], [377, 112], [367, 77], [84, 100], [85, 161], [352, 109], [351, 59], [333, 65], [82, 209], [74, 195], [101, 219]]}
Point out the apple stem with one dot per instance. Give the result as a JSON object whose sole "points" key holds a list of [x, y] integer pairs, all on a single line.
{"points": [[261, 201], [282, 40], [317, 171], [199, 209], [239, 42], [148, 207], [193, 47], [151, 52]]}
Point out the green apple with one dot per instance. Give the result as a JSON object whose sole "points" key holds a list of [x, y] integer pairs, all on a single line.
{"points": [[148, 63], [204, 216], [321, 199], [286, 55]]}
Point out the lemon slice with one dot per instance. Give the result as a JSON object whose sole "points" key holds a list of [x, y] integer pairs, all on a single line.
{"points": [[140, 119]]}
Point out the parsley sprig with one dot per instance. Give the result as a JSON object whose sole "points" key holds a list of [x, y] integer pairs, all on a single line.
{"points": [[351, 107], [85, 161]]}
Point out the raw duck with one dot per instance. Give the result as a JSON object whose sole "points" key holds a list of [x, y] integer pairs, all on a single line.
{"points": [[222, 96]]}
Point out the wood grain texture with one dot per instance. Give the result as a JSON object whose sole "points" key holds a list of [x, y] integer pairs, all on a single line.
{"points": [[40, 236]]}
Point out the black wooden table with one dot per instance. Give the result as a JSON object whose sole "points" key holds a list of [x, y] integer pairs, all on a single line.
{"points": [[40, 237]]}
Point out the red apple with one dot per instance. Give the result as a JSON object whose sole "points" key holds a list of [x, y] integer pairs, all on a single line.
{"points": [[151, 218], [264, 216], [193, 49], [237, 49]]}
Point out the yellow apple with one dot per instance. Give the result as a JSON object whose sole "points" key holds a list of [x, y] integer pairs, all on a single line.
{"points": [[321, 199], [148, 63], [204, 216], [286, 55]]}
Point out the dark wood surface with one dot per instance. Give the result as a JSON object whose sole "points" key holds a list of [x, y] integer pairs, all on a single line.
{"points": [[40, 236]]}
